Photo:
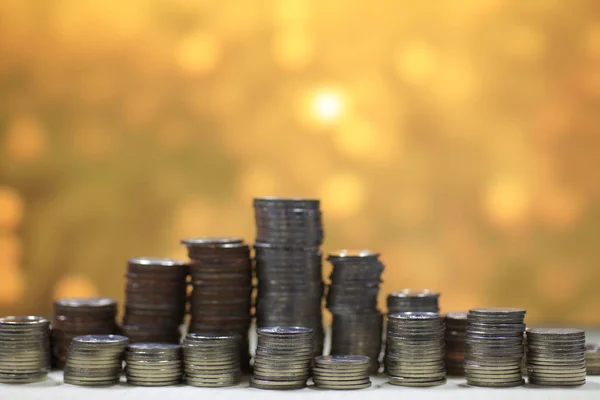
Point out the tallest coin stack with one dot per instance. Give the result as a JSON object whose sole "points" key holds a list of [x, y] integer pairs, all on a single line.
{"points": [[289, 233]]}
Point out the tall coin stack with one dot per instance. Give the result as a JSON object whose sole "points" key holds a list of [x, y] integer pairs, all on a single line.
{"points": [[408, 300], [95, 360], [153, 364], [211, 360], [456, 331], [592, 358], [352, 300], [556, 356], [221, 271], [155, 300], [289, 233], [283, 358], [24, 349], [494, 347], [78, 317], [415, 349], [342, 372]]}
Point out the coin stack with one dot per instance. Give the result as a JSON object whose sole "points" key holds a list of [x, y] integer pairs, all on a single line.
{"points": [[456, 330], [288, 264], [153, 364], [358, 334], [24, 349], [345, 372], [283, 358], [77, 317], [556, 356], [494, 347], [211, 360], [592, 358], [155, 300], [415, 349], [408, 300], [221, 271], [95, 360]]}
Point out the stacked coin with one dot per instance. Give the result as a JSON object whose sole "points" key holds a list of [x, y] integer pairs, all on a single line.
{"points": [[221, 271], [345, 372], [592, 358], [24, 349], [408, 300], [155, 302], [494, 347], [153, 364], [415, 349], [95, 360], [288, 264], [77, 317], [211, 360], [283, 358], [556, 356], [456, 330], [358, 334]]}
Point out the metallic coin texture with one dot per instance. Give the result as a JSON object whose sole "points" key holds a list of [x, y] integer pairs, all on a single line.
{"points": [[341, 372], [212, 360], [153, 364]]}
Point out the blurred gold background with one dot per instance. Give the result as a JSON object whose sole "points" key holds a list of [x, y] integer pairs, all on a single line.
{"points": [[458, 138]]}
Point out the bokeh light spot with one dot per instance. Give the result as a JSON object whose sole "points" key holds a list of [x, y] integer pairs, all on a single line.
{"points": [[506, 202], [13, 284], [25, 139], [293, 48], [343, 195], [74, 285], [12, 208], [327, 105], [415, 62], [199, 52]]}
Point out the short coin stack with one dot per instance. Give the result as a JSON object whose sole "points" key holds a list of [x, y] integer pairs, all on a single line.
{"points": [[211, 360], [346, 372], [408, 300], [556, 356], [283, 358], [156, 298], [24, 349], [78, 317], [352, 299], [456, 330], [153, 364], [592, 359], [221, 272], [95, 360], [415, 349], [494, 347], [289, 234]]}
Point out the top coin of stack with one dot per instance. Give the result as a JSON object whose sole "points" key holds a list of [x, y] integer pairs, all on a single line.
{"points": [[408, 300], [592, 358], [352, 299], [77, 317], [288, 264], [556, 356], [221, 271], [155, 300], [456, 330], [24, 349], [494, 347]]}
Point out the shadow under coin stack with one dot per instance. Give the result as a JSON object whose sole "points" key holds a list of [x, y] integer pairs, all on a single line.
{"points": [[78, 317], [456, 330], [408, 300], [342, 372], [153, 364], [95, 360], [494, 347], [155, 300], [289, 234], [352, 300], [592, 359], [283, 358], [221, 299], [24, 349], [211, 360], [415, 349], [556, 356]]}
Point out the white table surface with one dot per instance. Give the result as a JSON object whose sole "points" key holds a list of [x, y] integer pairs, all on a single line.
{"points": [[54, 389]]}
